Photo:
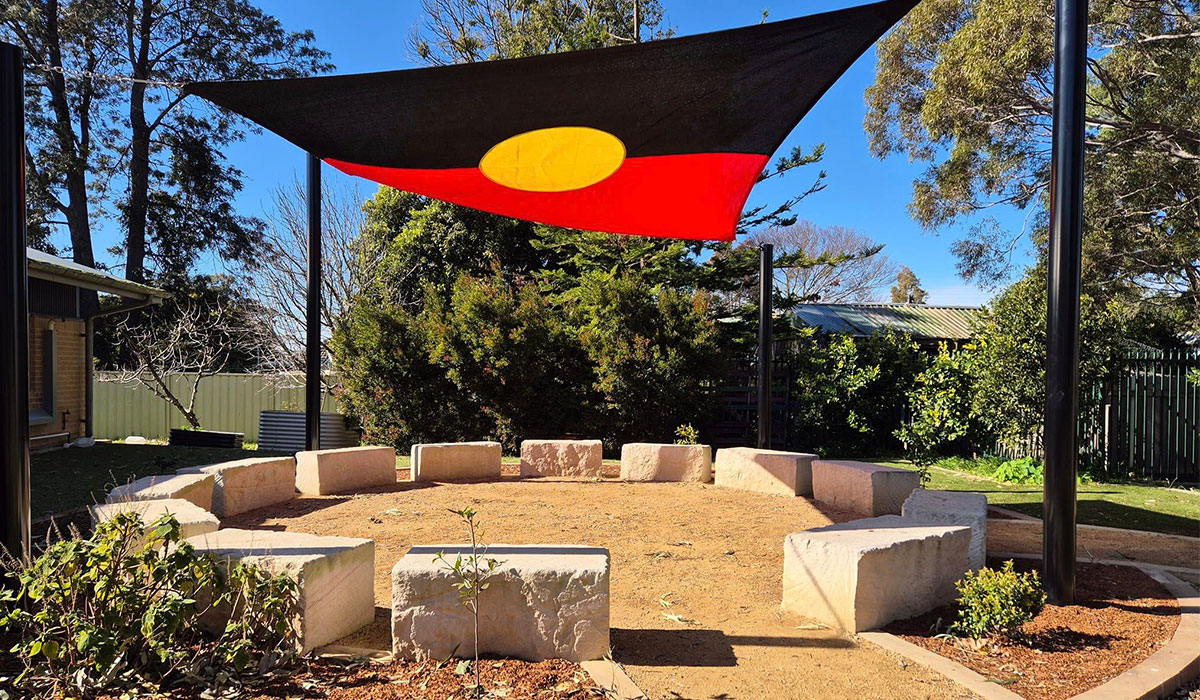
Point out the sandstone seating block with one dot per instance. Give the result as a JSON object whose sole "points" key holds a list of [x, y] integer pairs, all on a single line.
{"points": [[194, 488], [543, 602], [866, 573], [246, 484], [448, 461], [953, 508], [862, 488], [561, 458], [193, 520], [323, 472], [335, 577], [648, 461], [765, 471]]}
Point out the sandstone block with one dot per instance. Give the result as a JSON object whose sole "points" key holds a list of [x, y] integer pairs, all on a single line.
{"points": [[953, 508], [247, 484], [861, 487], [448, 461], [561, 458], [193, 520], [335, 577], [863, 574], [544, 602], [648, 461], [322, 472], [194, 488], [765, 471]]}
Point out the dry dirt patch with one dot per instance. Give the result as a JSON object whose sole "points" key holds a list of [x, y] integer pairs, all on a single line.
{"points": [[695, 583]]}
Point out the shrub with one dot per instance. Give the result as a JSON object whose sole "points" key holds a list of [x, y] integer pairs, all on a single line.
{"points": [[1019, 471], [687, 435], [940, 403], [996, 603], [121, 609]]}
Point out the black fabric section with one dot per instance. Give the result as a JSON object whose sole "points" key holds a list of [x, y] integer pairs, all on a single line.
{"points": [[734, 91]]}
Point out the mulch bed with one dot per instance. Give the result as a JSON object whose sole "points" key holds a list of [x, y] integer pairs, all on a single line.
{"points": [[1120, 618]]}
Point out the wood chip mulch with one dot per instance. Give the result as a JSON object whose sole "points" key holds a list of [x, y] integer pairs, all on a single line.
{"points": [[1121, 617]]}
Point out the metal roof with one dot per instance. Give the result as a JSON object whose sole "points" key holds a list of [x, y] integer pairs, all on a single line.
{"points": [[921, 321], [55, 269]]}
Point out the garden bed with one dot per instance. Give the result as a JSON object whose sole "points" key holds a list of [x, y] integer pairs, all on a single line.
{"points": [[1121, 617]]}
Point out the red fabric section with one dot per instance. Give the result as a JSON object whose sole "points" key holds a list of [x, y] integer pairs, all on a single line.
{"points": [[698, 196]]}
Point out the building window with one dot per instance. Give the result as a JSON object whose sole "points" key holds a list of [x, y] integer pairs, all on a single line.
{"points": [[42, 412]]}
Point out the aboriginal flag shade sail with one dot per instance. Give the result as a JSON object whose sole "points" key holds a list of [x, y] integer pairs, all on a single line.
{"points": [[663, 138]]}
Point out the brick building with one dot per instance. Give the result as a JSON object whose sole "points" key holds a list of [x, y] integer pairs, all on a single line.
{"points": [[60, 343]]}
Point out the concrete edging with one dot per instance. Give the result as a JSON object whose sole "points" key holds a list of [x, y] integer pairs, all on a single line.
{"points": [[609, 675], [1158, 676]]}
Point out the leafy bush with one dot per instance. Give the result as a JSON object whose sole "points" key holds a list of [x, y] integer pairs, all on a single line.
{"points": [[1019, 471], [687, 435], [123, 609], [940, 404], [996, 603]]}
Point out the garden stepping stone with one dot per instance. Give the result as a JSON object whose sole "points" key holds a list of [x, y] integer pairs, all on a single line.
{"points": [[449, 461], [765, 471], [344, 470], [195, 488], [953, 508], [648, 461], [862, 488], [866, 573], [543, 602], [579, 458], [193, 520], [335, 577], [246, 484]]}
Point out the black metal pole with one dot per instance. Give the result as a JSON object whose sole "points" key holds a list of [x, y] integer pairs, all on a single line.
{"points": [[766, 279], [1062, 288], [312, 363], [14, 316]]}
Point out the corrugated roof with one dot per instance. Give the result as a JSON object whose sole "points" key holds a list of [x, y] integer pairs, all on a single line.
{"points": [[921, 321], [46, 266]]}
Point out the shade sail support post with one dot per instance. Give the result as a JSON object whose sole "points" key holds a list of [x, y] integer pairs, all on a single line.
{"points": [[766, 279], [1062, 292], [14, 309], [312, 319]]}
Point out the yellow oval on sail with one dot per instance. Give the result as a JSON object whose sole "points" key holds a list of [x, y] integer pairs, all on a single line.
{"points": [[559, 159]]}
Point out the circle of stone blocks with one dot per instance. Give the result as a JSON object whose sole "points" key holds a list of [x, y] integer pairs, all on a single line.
{"points": [[649, 461], [193, 520], [246, 484], [335, 577], [953, 508], [866, 573], [579, 458], [448, 461], [862, 488], [765, 471], [343, 470], [194, 488], [543, 602]]}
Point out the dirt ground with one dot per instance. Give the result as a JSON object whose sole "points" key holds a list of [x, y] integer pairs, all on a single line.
{"points": [[710, 559], [1120, 618]]}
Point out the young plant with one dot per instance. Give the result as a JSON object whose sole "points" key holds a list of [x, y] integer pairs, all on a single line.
{"points": [[122, 609], [995, 603], [472, 572], [687, 435]]}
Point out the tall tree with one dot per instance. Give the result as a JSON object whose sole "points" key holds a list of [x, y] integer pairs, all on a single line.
{"points": [[825, 263], [966, 86], [907, 289], [108, 121]]}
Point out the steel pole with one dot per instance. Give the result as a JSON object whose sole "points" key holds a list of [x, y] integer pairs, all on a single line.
{"points": [[14, 310], [1062, 291], [766, 279], [312, 332]]}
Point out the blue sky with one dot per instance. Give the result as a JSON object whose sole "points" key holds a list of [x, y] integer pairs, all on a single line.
{"points": [[862, 191]]}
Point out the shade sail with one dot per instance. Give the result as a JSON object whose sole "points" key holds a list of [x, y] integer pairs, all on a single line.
{"points": [[663, 138]]}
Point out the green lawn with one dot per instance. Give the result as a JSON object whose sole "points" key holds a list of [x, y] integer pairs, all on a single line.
{"points": [[1131, 506], [63, 480]]}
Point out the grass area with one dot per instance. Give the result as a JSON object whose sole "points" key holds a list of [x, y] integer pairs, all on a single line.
{"points": [[1131, 506], [63, 480]]}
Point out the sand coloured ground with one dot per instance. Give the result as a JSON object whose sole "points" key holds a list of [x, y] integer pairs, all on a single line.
{"points": [[710, 557]]}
